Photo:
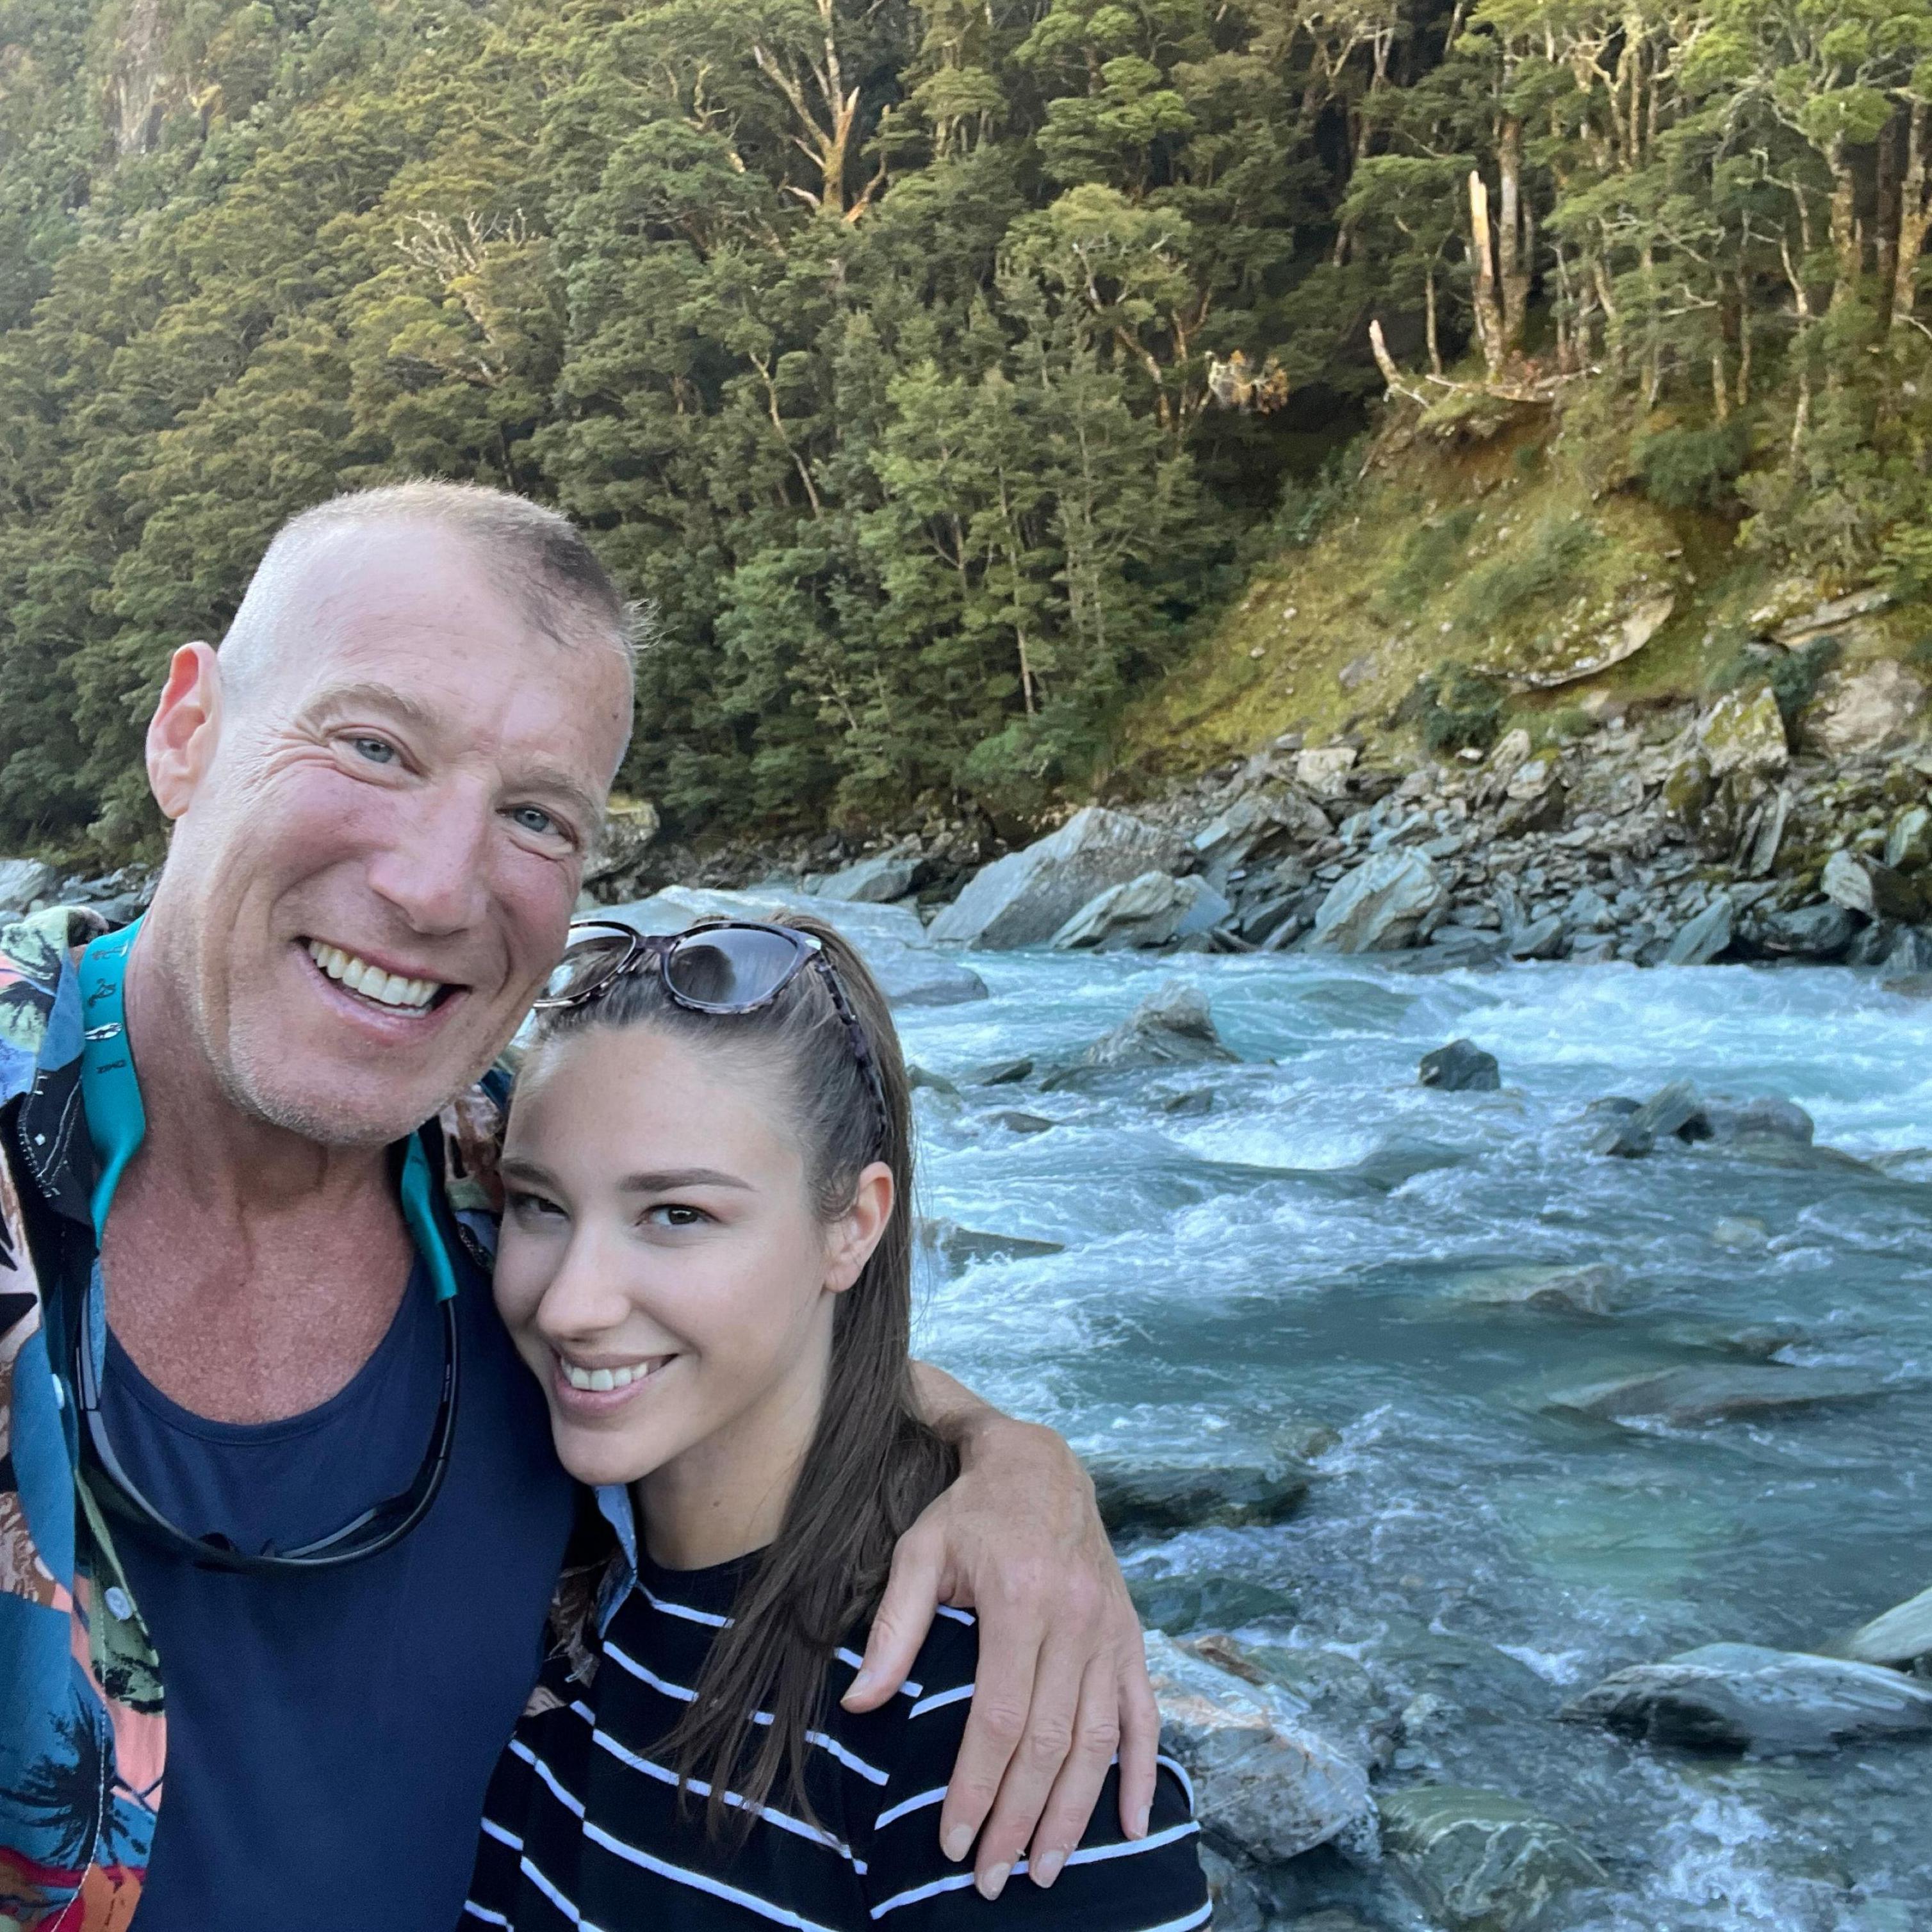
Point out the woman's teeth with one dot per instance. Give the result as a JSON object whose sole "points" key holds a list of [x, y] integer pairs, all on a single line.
{"points": [[386, 989], [599, 1380]]}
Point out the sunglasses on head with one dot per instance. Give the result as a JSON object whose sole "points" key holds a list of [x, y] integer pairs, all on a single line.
{"points": [[722, 966]]}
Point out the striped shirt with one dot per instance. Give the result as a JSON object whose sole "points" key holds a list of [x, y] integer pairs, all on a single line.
{"points": [[583, 1824]]}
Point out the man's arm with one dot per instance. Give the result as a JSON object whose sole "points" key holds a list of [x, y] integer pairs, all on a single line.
{"points": [[1062, 1681]]}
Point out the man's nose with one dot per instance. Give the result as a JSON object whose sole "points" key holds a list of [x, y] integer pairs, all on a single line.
{"points": [[434, 866]]}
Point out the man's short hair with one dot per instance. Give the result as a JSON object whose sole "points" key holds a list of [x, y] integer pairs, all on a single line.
{"points": [[537, 557]]}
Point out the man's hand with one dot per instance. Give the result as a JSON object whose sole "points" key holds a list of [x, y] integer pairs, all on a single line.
{"points": [[1062, 1682]]}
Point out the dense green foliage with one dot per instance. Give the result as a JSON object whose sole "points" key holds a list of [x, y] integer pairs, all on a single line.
{"points": [[920, 363]]}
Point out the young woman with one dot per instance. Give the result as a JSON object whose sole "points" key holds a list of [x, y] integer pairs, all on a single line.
{"points": [[707, 1260]]}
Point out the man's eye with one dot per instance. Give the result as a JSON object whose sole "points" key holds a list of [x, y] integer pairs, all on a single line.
{"points": [[534, 818], [377, 751]]}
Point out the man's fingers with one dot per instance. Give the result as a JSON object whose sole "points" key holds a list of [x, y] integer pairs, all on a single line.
{"points": [[1002, 1695], [1097, 1736], [1140, 1738], [905, 1615], [1046, 1743]]}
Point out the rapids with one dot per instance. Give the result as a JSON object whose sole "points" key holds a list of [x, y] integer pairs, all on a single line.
{"points": [[1463, 1544]]}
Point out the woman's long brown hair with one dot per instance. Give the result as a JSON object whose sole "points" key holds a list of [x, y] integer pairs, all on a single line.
{"points": [[874, 1464]]}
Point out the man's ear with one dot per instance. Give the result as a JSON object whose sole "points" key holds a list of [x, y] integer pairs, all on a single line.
{"points": [[856, 1233], [182, 733]]}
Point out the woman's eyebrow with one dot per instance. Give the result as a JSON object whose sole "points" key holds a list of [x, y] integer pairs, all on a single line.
{"points": [[515, 1167], [658, 1180]]}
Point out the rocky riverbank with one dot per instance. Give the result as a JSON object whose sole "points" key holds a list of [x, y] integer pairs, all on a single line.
{"points": [[1672, 836]]}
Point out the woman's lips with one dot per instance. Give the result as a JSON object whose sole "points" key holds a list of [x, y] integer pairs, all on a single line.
{"points": [[571, 1396]]}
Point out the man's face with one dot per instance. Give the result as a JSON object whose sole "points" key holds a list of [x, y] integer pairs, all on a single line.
{"points": [[375, 868]]}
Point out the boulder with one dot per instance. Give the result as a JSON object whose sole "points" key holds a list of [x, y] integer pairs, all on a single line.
{"points": [[1861, 883], [1016, 1122], [1153, 910], [1700, 940], [1024, 899], [630, 825], [1137, 1499], [1744, 731], [1461, 1067], [959, 1247], [1534, 796], [1538, 939], [1809, 932], [1552, 1287], [910, 976], [1482, 1861], [1743, 1697], [1632, 1134], [1176, 1601], [1324, 771], [1833, 616], [22, 881], [1902, 1636], [1384, 904], [1686, 791], [1727, 1122], [1255, 827], [877, 880], [1174, 1026], [1908, 845], [1687, 1397], [1857, 712], [1269, 1783]]}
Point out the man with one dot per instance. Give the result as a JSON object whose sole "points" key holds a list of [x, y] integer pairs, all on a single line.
{"points": [[278, 1503]]}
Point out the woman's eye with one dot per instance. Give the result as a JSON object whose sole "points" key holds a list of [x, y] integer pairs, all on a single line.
{"points": [[530, 1207], [377, 751], [674, 1214]]}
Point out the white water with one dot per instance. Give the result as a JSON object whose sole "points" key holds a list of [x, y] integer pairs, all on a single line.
{"points": [[1462, 1541]]}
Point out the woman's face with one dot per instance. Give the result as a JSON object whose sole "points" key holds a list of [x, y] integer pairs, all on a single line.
{"points": [[662, 1270]]}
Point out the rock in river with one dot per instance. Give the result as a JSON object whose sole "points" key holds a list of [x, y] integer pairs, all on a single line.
{"points": [[1173, 1026], [1136, 1499], [1024, 899], [1460, 1067], [959, 1247], [1902, 1636], [1553, 1288], [1153, 910], [877, 880], [1729, 1392], [1381, 906], [1482, 1861], [1743, 1697], [1269, 1783]]}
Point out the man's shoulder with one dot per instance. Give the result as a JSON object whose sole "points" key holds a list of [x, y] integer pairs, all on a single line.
{"points": [[37, 952]]}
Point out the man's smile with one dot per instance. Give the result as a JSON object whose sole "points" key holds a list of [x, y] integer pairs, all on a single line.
{"points": [[396, 991]]}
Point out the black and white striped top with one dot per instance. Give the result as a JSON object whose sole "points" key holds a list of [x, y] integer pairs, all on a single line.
{"points": [[582, 1825]]}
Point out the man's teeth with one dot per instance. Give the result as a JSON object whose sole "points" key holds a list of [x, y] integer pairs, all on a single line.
{"points": [[386, 989], [599, 1380]]}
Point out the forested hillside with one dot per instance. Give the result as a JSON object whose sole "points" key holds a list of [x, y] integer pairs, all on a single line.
{"points": [[931, 369]]}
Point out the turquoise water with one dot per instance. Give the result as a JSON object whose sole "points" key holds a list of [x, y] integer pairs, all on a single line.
{"points": [[1221, 1279]]}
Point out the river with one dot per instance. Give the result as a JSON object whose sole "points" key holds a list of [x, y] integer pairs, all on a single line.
{"points": [[1463, 1542]]}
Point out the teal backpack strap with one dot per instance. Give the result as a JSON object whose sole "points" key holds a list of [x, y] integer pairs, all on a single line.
{"points": [[418, 1193], [110, 1093]]}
